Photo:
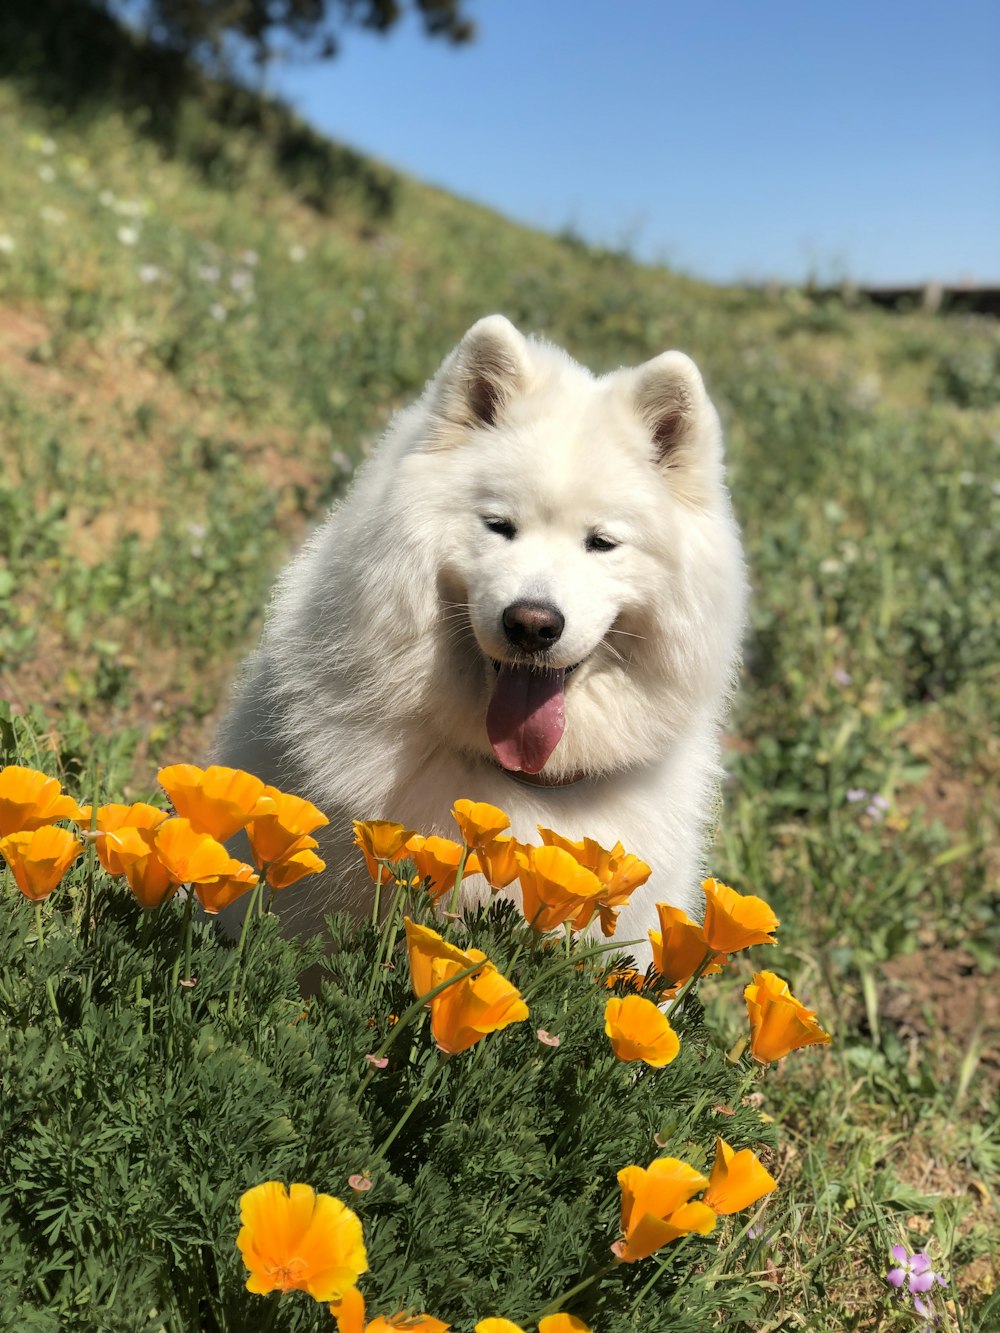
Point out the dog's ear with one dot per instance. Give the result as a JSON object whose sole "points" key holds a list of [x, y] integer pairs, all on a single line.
{"points": [[669, 396], [482, 375]]}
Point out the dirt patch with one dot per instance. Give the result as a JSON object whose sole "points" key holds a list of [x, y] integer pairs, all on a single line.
{"points": [[940, 1000]]}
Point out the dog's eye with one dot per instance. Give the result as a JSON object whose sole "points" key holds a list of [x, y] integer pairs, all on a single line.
{"points": [[503, 527], [595, 542]]}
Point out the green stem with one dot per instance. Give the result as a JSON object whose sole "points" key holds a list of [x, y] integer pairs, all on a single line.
{"points": [[691, 982], [184, 944], [38, 926], [408, 1017], [637, 1303], [251, 908], [453, 905], [433, 1069], [558, 1304]]}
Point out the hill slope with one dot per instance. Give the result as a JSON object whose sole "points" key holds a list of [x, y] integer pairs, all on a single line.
{"points": [[192, 356]]}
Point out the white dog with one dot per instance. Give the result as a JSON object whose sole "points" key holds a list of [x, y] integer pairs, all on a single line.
{"points": [[534, 596]]}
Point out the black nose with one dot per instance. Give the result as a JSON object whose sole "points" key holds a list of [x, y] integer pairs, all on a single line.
{"points": [[533, 626]]}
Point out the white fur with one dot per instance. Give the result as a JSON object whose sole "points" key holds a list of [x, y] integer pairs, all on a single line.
{"points": [[369, 691]]}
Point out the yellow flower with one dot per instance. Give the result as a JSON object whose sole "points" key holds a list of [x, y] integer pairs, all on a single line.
{"points": [[217, 801], [111, 818], [29, 799], [735, 920], [294, 865], [639, 1031], [436, 859], [131, 851], [297, 1240], [381, 840], [191, 856], [463, 1013], [218, 894], [470, 1009], [349, 1313], [497, 1326], [655, 1207], [738, 1179], [425, 947], [679, 946], [479, 822], [497, 861], [556, 888], [562, 1323], [778, 1022], [280, 824], [39, 858], [619, 871]]}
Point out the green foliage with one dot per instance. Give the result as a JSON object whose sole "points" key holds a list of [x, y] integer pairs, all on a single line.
{"points": [[137, 1110]]}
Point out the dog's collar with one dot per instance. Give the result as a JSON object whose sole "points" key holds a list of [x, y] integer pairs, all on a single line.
{"points": [[540, 780]]}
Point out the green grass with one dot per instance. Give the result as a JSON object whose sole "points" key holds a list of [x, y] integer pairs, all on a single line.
{"points": [[191, 357]]}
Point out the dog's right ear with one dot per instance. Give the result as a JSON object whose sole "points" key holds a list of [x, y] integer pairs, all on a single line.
{"points": [[484, 372]]}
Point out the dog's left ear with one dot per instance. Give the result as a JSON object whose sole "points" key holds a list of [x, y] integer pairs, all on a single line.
{"points": [[669, 396], [484, 372]]}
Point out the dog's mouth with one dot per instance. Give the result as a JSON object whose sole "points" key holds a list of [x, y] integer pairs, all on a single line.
{"points": [[526, 716]]}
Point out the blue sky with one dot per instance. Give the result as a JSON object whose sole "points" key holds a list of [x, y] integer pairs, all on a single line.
{"points": [[731, 139]]}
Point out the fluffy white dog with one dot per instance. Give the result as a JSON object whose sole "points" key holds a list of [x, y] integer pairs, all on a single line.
{"points": [[534, 596]]}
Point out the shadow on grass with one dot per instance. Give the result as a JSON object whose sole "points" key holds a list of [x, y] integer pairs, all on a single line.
{"points": [[73, 57]]}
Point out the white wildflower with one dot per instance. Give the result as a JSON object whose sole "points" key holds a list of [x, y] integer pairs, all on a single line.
{"points": [[217, 311], [47, 173], [128, 235], [208, 272], [250, 257], [7, 246], [149, 273], [107, 198], [54, 215], [296, 253]]}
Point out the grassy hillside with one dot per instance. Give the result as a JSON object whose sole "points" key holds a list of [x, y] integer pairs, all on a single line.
{"points": [[193, 355]]}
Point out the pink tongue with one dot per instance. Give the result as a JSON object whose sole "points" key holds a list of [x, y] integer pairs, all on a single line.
{"points": [[526, 718]]}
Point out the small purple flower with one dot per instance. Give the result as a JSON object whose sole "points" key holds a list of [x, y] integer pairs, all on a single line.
{"points": [[856, 794], [915, 1271], [841, 677], [877, 808]]}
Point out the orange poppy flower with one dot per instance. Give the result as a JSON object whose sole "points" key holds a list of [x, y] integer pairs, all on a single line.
{"points": [[295, 866], [381, 840], [468, 1010], [436, 859], [679, 946], [655, 1207], [472, 1008], [479, 822], [425, 947], [131, 851], [778, 1022], [556, 888], [216, 800], [29, 799], [735, 920], [111, 818], [217, 895], [639, 1031], [349, 1313], [293, 1239], [39, 858], [738, 1179], [497, 861], [562, 1323], [190, 856], [619, 871], [497, 1326], [280, 823]]}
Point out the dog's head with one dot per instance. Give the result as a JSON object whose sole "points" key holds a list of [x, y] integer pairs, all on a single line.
{"points": [[590, 581]]}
